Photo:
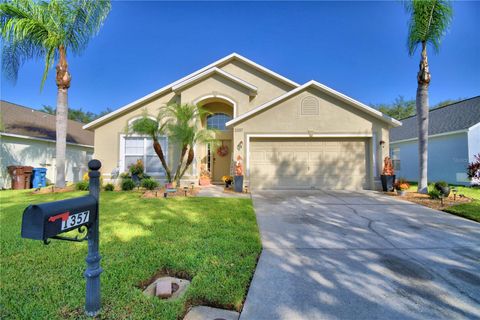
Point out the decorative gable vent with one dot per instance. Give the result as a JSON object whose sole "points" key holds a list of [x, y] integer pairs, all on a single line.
{"points": [[310, 106]]}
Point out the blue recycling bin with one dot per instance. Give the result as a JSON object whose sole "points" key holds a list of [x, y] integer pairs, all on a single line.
{"points": [[39, 177]]}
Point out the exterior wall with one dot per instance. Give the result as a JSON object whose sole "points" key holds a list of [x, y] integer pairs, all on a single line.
{"points": [[473, 142], [447, 158], [268, 87], [35, 153], [335, 117]]}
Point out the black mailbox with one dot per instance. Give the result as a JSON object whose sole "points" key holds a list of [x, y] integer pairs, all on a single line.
{"points": [[46, 220]]}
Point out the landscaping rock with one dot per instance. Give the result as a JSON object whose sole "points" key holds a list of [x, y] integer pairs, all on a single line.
{"points": [[164, 289], [177, 287], [209, 313]]}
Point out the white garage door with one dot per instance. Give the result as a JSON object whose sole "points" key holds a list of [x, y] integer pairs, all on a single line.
{"points": [[308, 163]]}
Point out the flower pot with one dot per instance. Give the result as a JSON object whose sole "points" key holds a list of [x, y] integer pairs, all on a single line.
{"points": [[401, 192], [136, 179], [238, 183], [204, 181], [387, 182]]}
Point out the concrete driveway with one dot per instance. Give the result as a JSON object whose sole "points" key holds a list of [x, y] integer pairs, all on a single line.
{"points": [[361, 255]]}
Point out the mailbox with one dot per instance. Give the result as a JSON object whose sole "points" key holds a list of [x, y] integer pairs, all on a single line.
{"points": [[47, 220]]}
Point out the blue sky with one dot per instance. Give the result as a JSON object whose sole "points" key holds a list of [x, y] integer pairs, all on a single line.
{"points": [[357, 48]]}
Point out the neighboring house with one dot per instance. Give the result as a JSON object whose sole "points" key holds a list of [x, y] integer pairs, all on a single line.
{"points": [[27, 137], [453, 140], [289, 135]]}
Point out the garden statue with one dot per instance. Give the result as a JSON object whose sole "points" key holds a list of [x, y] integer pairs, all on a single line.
{"points": [[238, 179], [388, 167], [239, 166]]}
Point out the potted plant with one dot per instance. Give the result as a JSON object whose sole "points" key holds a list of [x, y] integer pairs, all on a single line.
{"points": [[228, 181], [204, 176], [401, 186], [388, 175], [443, 188], [238, 182]]}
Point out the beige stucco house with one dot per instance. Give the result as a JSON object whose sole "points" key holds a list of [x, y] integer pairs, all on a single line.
{"points": [[289, 135]]}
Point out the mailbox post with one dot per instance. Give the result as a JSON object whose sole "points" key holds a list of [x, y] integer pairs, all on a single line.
{"points": [[92, 274], [51, 219]]}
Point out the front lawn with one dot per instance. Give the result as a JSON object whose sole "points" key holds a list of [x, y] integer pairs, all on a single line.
{"points": [[214, 242], [469, 210]]}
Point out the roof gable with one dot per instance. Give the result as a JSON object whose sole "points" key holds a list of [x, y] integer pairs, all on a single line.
{"points": [[371, 111], [454, 117], [168, 88]]}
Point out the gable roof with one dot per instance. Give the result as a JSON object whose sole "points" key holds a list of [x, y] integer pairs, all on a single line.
{"points": [[168, 88], [253, 89], [457, 116], [24, 122], [314, 84]]}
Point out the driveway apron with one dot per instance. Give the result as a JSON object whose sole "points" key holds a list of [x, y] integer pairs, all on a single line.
{"points": [[361, 255]]}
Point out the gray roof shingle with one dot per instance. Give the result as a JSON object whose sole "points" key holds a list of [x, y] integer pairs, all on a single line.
{"points": [[453, 117]]}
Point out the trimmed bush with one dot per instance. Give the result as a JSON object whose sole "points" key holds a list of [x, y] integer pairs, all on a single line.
{"points": [[109, 187], [149, 184], [82, 185], [128, 184], [440, 184], [434, 194]]}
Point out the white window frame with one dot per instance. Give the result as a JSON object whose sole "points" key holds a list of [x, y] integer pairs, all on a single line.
{"points": [[122, 153]]}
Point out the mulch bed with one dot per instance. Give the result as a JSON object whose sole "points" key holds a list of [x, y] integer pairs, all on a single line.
{"points": [[159, 193], [424, 200], [53, 189]]}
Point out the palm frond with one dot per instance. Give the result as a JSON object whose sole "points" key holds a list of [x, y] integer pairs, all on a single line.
{"points": [[429, 22]]}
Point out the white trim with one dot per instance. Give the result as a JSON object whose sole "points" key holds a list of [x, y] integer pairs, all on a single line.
{"points": [[42, 139], [474, 126], [433, 136], [121, 164], [375, 155], [169, 86], [209, 72], [214, 95], [297, 135], [313, 83]]}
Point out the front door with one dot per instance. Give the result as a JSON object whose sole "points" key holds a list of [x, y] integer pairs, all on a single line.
{"points": [[221, 164]]}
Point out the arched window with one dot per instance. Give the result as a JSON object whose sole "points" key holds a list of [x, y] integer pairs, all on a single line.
{"points": [[217, 121]]}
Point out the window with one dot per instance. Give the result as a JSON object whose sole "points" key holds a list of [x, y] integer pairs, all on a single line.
{"points": [[141, 148], [396, 159], [217, 121], [310, 106]]}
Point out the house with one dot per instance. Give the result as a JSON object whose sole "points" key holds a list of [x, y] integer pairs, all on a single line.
{"points": [[27, 137], [453, 140], [289, 135]]}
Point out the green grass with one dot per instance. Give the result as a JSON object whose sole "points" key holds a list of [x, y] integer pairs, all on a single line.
{"points": [[467, 210], [215, 242]]}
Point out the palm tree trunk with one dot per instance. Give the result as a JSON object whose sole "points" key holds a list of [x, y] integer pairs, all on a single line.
{"points": [[158, 150], [189, 162], [179, 167], [423, 78], [63, 79]]}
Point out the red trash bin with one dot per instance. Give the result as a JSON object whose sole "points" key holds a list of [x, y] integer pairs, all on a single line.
{"points": [[20, 176]]}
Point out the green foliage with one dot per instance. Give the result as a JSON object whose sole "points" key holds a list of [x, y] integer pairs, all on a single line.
{"points": [[76, 114], [149, 184], [37, 29], [440, 184], [434, 194], [398, 109], [82, 185], [136, 168], [109, 187], [127, 184], [429, 21], [214, 241]]}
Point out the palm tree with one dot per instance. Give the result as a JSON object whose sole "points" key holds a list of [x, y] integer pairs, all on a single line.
{"points": [[37, 29], [182, 124], [429, 21]]}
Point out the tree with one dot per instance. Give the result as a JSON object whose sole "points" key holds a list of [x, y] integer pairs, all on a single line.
{"points": [[37, 29], [77, 114], [182, 124], [399, 109], [429, 21]]}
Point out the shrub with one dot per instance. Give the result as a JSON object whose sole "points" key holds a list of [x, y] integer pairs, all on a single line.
{"points": [[402, 184], [127, 184], [440, 184], [434, 194], [149, 183], [82, 185], [137, 168], [473, 170], [109, 187]]}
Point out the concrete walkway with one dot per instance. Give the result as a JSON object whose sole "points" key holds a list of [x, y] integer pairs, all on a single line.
{"points": [[362, 255], [217, 191]]}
